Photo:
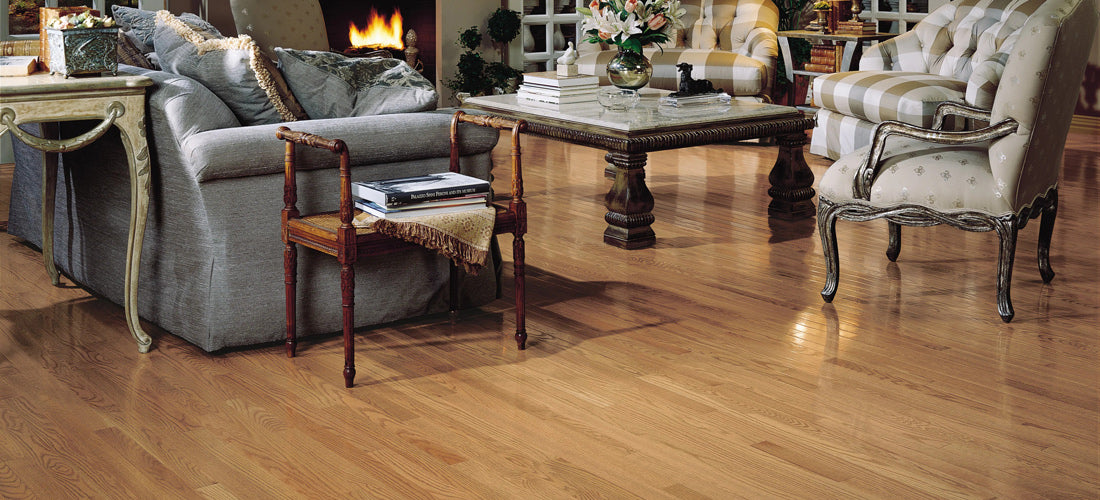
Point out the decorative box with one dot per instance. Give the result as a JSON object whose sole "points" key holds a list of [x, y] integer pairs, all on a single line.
{"points": [[78, 51], [47, 14]]}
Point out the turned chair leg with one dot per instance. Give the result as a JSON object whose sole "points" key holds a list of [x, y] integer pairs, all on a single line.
{"points": [[453, 291], [519, 272], [826, 228], [290, 279], [1046, 230], [347, 289], [1007, 254], [894, 247]]}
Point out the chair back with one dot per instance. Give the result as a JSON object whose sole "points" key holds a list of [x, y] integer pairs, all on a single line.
{"points": [[1039, 89], [293, 24]]}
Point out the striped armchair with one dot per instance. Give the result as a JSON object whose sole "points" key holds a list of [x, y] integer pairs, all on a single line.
{"points": [[957, 54], [732, 43]]}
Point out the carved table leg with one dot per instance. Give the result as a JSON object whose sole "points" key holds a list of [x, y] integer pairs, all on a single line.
{"points": [[629, 204], [132, 126], [791, 180], [50, 130]]}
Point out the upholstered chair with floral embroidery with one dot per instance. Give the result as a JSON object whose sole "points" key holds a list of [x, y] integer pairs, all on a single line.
{"points": [[995, 178]]}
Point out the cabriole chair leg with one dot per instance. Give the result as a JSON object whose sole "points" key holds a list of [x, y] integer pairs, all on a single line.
{"points": [[894, 247], [1046, 230], [1007, 232], [826, 228]]}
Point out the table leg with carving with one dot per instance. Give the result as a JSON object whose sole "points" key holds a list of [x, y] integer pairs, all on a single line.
{"points": [[132, 126], [50, 130], [629, 203], [791, 180]]}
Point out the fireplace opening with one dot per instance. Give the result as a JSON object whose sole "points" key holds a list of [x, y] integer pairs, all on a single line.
{"points": [[341, 16]]}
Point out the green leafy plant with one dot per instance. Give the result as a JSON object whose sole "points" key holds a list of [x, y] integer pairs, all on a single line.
{"points": [[477, 76], [790, 18]]}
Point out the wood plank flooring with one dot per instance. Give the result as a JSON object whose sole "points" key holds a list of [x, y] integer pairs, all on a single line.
{"points": [[705, 367]]}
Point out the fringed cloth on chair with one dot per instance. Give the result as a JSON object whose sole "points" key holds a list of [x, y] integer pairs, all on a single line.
{"points": [[464, 237]]}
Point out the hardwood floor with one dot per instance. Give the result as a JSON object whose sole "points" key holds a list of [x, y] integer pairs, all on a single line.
{"points": [[705, 367]]}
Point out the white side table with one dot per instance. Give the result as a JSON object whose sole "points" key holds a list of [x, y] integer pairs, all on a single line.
{"points": [[116, 100]]}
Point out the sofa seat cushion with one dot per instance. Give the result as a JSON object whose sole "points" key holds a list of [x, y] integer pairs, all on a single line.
{"points": [[878, 96], [232, 68], [330, 85], [946, 178], [734, 73]]}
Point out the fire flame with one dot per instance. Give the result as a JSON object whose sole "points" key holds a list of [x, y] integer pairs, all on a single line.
{"points": [[379, 32]]}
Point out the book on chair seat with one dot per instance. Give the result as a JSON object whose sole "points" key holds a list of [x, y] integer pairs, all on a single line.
{"points": [[403, 191], [415, 210]]}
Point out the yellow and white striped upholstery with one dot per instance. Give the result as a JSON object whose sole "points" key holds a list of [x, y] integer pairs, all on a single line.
{"points": [[742, 63], [1041, 78], [957, 53]]}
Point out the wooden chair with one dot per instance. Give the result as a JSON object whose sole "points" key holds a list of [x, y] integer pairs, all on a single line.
{"points": [[332, 233]]}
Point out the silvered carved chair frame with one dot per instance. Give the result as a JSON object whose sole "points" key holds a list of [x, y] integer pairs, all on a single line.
{"points": [[1006, 226]]}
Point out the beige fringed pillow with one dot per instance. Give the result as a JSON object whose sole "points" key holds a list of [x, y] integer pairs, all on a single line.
{"points": [[234, 69]]}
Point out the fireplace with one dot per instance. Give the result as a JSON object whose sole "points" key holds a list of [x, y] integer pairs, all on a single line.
{"points": [[417, 15]]}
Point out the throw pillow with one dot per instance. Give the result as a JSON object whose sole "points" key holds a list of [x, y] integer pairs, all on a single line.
{"points": [[331, 85], [232, 68], [129, 53], [141, 24]]}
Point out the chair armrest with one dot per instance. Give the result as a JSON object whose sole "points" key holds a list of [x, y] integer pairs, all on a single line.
{"points": [[499, 123], [290, 194], [861, 185], [949, 108]]}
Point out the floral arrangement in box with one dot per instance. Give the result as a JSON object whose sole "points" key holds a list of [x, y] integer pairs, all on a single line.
{"points": [[630, 24], [81, 20]]}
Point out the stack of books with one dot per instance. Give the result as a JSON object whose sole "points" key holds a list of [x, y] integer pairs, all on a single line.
{"points": [[825, 58], [856, 28], [430, 194], [546, 87]]}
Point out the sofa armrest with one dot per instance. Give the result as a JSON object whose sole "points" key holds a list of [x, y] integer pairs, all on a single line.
{"points": [[762, 44], [378, 139], [183, 104]]}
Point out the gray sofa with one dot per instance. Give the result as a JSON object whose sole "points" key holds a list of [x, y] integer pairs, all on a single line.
{"points": [[212, 262]]}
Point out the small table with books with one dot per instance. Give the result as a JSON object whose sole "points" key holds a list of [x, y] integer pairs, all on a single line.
{"points": [[630, 135], [830, 53]]}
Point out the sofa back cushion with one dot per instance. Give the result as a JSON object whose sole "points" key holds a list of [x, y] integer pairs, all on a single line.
{"points": [[956, 38]]}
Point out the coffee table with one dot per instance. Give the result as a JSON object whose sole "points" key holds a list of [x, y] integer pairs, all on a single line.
{"points": [[629, 136]]}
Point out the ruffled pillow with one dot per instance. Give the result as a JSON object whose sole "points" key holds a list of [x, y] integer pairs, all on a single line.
{"points": [[331, 85], [232, 68], [140, 25]]}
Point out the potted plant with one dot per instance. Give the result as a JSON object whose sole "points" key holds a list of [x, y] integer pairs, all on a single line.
{"points": [[476, 76]]}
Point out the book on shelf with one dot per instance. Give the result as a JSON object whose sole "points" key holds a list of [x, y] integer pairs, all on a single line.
{"points": [[393, 193], [856, 28], [18, 65], [556, 91], [820, 68], [414, 210], [522, 95], [551, 79]]}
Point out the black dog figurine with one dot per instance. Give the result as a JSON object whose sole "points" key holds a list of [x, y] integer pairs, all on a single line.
{"points": [[690, 86]]}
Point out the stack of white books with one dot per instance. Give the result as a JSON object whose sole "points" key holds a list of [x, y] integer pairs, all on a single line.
{"points": [[547, 87], [430, 194]]}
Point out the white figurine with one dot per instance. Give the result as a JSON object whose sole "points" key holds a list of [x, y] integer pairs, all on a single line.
{"points": [[567, 62], [569, 57]]}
